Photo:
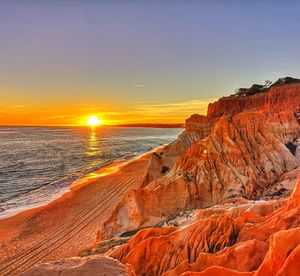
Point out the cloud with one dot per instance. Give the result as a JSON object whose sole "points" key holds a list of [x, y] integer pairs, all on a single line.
{"points": [[111, 113], [138, 85], [174, 112], [178, 109], [23, 106], [58, 117]]}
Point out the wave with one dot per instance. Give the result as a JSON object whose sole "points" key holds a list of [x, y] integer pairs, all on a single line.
{"points": [[45, 193]]}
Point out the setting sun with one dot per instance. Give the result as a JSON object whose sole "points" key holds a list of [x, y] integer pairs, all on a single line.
{"points": [[94, 121]]}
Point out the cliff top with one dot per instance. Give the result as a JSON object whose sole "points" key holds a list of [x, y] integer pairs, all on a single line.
{"points": [[258, 88], [275, 97]]}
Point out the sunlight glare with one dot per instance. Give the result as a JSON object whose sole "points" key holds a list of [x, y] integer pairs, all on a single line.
{"points": [[94, 121]]}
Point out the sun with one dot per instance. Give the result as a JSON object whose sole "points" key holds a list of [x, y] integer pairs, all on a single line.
{"points": [[94, 121]]}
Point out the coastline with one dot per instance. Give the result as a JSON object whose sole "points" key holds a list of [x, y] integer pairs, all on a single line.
{"points": [[9, 226], [84, 177], [82, 180], [66, 225]]}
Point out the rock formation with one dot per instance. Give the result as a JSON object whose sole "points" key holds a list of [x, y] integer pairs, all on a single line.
{"points": [[282, 95], [243, 155], [246, 148], [243, 238], [197, 128]]}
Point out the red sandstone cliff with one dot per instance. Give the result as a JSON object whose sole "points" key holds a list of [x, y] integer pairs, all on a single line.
{"points": [[241, 157], [243, 238], [242, 152], [276, 98]]}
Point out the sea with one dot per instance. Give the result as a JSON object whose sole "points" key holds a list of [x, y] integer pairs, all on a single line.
{"points": [[39, 164]]}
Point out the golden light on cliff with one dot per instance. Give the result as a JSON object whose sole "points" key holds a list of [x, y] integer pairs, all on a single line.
{"points": [[94, 121]]}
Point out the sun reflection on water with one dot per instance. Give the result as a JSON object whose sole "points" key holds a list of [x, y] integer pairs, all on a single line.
{"points": [[93, 147]]}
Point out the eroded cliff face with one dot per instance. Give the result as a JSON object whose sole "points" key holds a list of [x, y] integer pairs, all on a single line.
{"points": [[164, 158], [283, 96], [247, 147], [243, 156], [245, 238], [277, 98], [197, 128]]}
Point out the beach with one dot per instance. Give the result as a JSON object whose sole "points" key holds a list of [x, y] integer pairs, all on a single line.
{"points": [[70, 223]]}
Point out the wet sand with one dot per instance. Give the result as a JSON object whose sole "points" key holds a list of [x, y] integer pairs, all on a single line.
{"points": [[70, 223]]}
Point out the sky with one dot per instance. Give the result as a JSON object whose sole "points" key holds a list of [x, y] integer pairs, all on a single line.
{"points": [[137, 61]]}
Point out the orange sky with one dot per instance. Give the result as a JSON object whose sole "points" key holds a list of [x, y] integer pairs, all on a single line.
{"points": [[77, 114], [137, 61]]}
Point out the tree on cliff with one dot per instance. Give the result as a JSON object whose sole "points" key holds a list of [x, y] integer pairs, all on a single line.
{"points": [[254, 89]]}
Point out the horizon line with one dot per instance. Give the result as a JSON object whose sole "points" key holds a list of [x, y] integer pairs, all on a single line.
{"points": [[104, 125]]}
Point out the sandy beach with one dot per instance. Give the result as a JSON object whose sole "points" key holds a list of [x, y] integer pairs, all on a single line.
{"points": [[70, 223]]}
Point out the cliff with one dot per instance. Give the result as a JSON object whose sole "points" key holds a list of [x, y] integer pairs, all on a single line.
{"points": [[261, 237], [244, 149], [280, 96], [241, 157]]}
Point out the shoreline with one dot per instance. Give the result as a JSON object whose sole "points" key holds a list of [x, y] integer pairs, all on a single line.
{"points": [[84, 177], [11, 226], [71, 223], [82, 180]]}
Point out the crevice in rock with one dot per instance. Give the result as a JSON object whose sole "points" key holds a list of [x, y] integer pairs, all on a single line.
{"points": [[291, 147]]}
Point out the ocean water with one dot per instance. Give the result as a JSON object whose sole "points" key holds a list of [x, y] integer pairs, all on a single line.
{"points": [[37, 164]]}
